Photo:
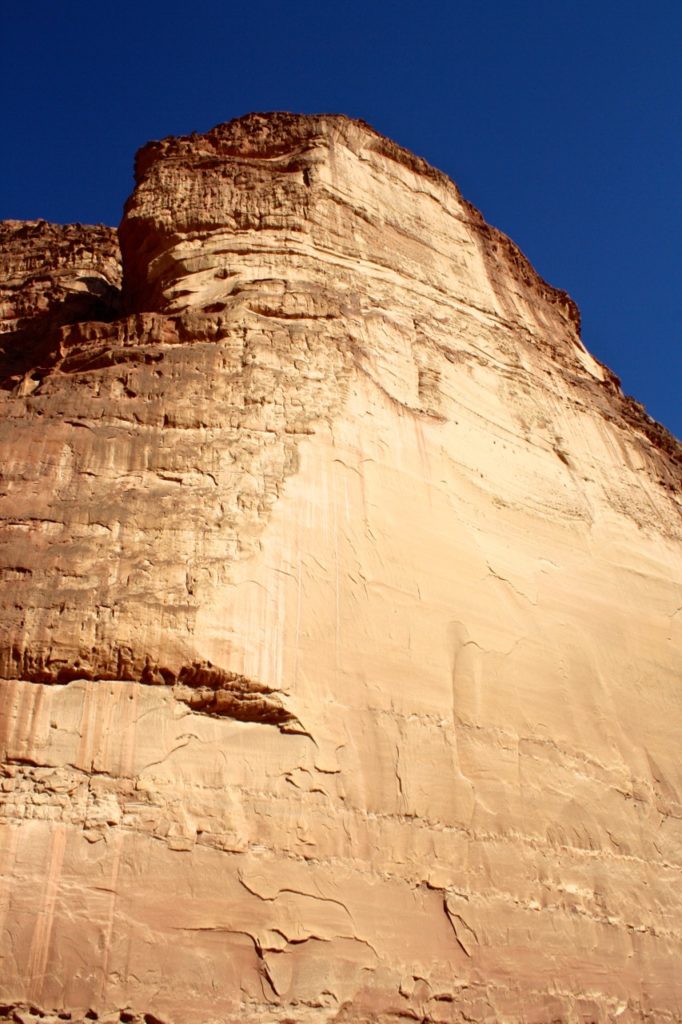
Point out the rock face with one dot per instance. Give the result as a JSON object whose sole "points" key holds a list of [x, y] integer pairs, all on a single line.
{"points": [[341, 611], [52, 275]]}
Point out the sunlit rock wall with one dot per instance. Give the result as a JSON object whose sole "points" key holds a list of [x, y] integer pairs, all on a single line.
{"points": [[341, 619]]}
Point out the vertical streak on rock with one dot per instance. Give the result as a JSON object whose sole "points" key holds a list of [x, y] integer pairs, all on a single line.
{"points": [[110, 918], [88, 730], [39, 949]]}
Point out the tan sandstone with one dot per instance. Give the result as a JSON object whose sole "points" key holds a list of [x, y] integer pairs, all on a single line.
{"points": [[341, 612]]}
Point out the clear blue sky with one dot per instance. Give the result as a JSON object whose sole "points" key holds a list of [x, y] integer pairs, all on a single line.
{"points": [[561, 121]]}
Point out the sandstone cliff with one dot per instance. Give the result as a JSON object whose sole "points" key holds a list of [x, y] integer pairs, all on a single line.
{"points": [[341, 611]]}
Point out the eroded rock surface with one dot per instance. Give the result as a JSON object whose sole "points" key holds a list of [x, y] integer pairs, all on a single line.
{"points": [[52, 274], [341, 611]]}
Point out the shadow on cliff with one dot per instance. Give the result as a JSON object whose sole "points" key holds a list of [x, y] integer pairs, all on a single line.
{"points": [[32, 349]]}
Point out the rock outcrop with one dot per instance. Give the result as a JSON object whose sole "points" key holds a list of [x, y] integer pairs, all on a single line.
{"points": [[52, 275], [341, 611]]}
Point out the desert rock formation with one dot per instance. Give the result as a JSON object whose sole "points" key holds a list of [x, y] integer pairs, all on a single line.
{"points": [[341, 611]]}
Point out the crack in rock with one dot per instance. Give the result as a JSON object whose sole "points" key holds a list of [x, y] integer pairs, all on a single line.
{"points": [[202, 686]]}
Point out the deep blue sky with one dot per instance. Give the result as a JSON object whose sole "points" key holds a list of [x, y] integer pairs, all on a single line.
{"points": [[561, 121]]}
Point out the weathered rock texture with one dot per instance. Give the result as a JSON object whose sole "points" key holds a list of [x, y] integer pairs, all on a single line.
{"points": [[341, 612], [52, 275]]}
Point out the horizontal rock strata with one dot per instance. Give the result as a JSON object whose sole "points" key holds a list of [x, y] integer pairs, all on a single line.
{"points": [[341, 611]]}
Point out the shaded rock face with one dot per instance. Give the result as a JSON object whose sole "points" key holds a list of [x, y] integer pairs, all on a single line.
{"points": [[52, 274], [341, 611]]}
